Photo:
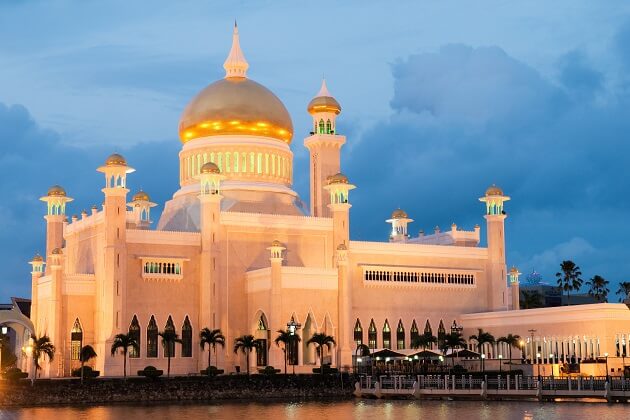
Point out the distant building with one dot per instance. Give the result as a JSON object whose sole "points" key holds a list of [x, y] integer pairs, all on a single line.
{"points": [[16, 325], [551, 294]]}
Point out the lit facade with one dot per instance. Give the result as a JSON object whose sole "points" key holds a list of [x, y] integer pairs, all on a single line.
{"points": [[237, 249]]}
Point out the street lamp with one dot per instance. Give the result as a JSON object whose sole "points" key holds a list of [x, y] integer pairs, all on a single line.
{"points": [[29, 351], [551, 356], [292, 327], [522, 346], [606, 356], [483, 356], [538, 363], [500, 363]]}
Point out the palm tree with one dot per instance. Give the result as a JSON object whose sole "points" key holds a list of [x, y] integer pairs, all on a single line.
{"points": [[87, 353], [531, 300], [598, 288], [624, 290], [122, 342], [512, 340], [453, 340], [212, 338], [569, 278], [320, 340], [42, 346], [423, 341], [285, 337], [362, 350], [169, 338], [246, 344], [481, 338]]}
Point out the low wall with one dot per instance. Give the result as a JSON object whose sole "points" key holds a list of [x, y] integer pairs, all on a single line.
{"points": [[98, 391]]}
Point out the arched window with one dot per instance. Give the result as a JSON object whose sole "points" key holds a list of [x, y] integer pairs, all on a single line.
{"points": [[427, 328], [400, 336], [328, 127], [321, 127], [169, 349], [358, 333], [441, 334], [186, 338], [152, 338], [76, 340], [134, 332], [261, 350], [372, 335], [414, 332], [387, 336]]}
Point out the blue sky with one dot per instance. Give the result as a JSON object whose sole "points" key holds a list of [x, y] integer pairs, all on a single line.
{"points": [[440, 99]]}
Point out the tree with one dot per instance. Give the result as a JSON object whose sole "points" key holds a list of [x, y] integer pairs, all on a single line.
{"points": [[87, 353], [42, 347], [122, 342], [246, 344], [598, 288], [423, 341], [453, 340], [512, 340], [624, 290], [569, 278], [320, 340], [169, 338], [531, 300], [286, 338], [212, 338], [482, 337]]}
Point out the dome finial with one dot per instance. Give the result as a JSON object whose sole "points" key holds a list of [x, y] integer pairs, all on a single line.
{"points": [[235, 65], [323, 91]]}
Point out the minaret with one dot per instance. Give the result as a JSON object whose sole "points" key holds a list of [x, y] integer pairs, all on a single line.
{"points": [[338, 189], [141, 207], [235, 65], [496, 269], [276, 357], [399, 221], [55, 315], [324, 146], [37, 264], [515, 288], [56, 200], [209, 286], [112, 280]]}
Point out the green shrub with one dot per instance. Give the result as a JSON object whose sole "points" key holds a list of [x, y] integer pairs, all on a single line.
{"points": [[88, 372], [14, 374], [268, 370], [150, 372], [212, 371], [458, 370]]}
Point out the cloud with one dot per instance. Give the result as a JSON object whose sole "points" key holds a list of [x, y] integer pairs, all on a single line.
{"points": [[548, 260]]}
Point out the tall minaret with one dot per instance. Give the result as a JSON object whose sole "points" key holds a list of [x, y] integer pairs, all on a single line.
{"points": [[110, 314], [496, 269], [56, 200], [37, 264], [56, 332], [324, 146], [210, 217], [515, 288]]}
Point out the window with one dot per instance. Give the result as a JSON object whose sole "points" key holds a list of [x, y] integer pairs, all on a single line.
{"points": [[134, 333], [387, 336], [412, 275], [372, 335], [441, 334], [76, 340], [169, 348], [152, 338], [400, 336], [162, 267], [321, 126], [358, 333], [328, 127], [414, 331], [186, 338]]}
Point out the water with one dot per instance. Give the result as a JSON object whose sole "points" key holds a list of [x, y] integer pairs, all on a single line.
{"points": [[337, 410]]}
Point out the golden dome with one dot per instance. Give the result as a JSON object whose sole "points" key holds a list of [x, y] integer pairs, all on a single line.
{"points": [[235, 106], [323, 104], [342, 247], [115, 160], [141, 196], [494, 190], [399, 214], [57, 251], [38, 258], [514, 271], [337, 179], [276, 243], [56, 191], [210, 168]]}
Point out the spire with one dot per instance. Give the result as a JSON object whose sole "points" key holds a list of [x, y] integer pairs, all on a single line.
{"points": [[323, 91], [235, 65]]}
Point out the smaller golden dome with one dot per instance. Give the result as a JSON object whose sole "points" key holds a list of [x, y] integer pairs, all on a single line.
{"points": [[210, 168], [38, 258], [276, 243], [57, 251], [514, 271], [323, 104], [494, 190], [56, 191], [141, 196], [342, 247], [115, 160], [337, 179], [399, 214]]}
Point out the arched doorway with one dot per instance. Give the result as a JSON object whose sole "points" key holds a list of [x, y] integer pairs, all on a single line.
{"points": [[308, 351], [261, 333]]}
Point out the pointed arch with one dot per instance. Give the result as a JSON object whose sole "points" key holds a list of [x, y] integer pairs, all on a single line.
{"points": [[372, 335], [134, 332], [328, 127], [441, 334], [169, 349], [262, 334], [321, 126], [400, 335], [414, 334], [358, 333], [387, 335], [152, 338], [76, 340], [309, 328], [427, 328], [187, 338]]}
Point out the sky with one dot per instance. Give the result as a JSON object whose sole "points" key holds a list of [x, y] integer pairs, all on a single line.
{"points": [[440, 99]]}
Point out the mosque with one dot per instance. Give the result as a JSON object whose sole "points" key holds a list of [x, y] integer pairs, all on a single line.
{"points": [[236, 248]]}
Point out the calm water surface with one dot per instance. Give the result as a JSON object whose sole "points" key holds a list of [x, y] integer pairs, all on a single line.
{"points": [[356, 409]]}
